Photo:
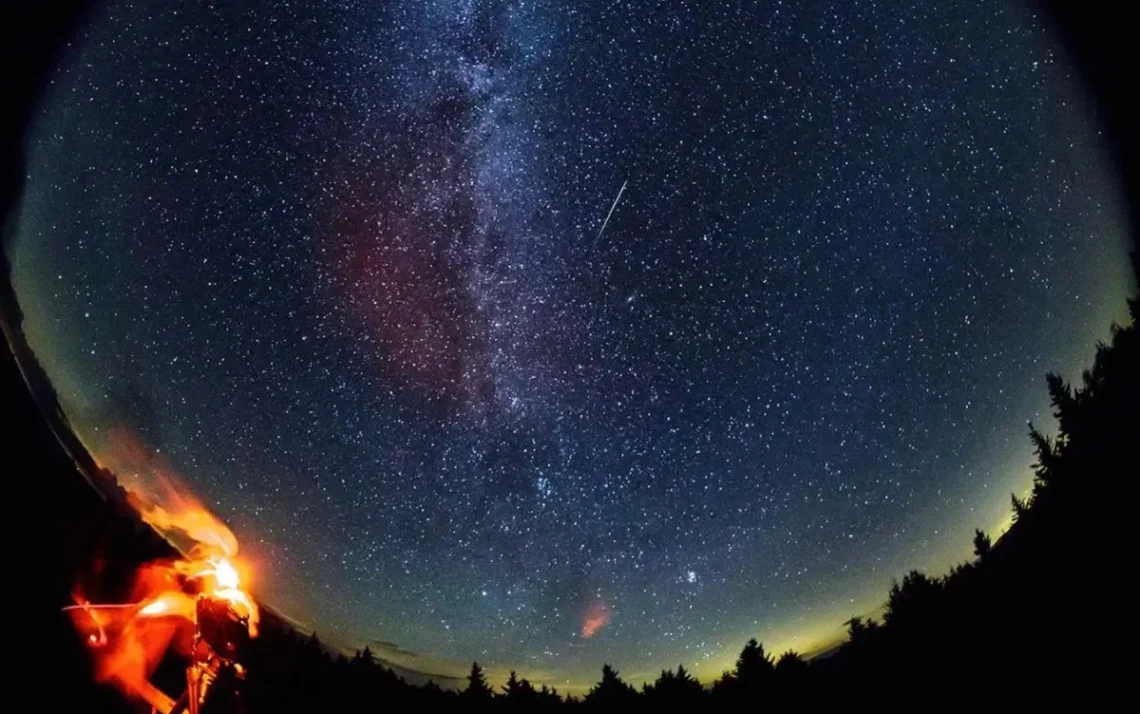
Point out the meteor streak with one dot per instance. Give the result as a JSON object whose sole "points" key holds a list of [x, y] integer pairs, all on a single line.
{"points": [[607, 221]]}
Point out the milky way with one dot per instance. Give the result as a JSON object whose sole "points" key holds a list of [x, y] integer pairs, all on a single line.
{"points": [[342, 265]]}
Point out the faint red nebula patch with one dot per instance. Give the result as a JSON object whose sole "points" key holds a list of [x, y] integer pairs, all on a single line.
{"points": [[395, 263], [597, 617]]}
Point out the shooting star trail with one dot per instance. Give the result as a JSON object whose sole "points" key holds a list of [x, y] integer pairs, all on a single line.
{"points": [[614, 206]]}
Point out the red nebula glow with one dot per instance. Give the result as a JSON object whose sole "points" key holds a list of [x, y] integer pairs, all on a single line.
{"points": [[403, 287], [597, 617]]}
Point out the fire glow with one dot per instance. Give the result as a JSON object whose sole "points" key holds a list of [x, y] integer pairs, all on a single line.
{"points": [[168, 600]]}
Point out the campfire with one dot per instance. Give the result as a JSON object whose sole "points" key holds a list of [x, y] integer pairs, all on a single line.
{"points": [[198, 606]]}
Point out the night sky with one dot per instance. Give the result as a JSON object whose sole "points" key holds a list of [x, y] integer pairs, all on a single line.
{"points": [[346, 267]]}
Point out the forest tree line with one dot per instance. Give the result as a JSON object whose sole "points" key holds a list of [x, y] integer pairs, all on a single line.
{"points": [[1029, 608], [1036, 615]]}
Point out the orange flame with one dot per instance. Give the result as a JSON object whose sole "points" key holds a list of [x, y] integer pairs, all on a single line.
{"points": [[128, 641], [160, 498]]}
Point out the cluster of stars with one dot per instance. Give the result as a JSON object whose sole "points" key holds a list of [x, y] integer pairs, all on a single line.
{"points": [[343, 264]]}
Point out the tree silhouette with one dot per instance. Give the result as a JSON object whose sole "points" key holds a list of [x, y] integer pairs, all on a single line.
{"points": [[548, 700], [1065, 404], [520, 694], [754, 672], [859, 627], [677, 689], [753, 666], [1048, 455], [513, 685], [365, 658], [477, 688], [911, 597], [982, 544], [685, 681], [790, 662], [1020, 507], [611, 693], [791, 676]]}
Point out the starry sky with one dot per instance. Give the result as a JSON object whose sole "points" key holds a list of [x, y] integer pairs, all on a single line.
{"points": [[554, 333]]}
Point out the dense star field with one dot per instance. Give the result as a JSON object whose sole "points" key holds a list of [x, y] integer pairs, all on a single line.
{"points": [[548, 334]]}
